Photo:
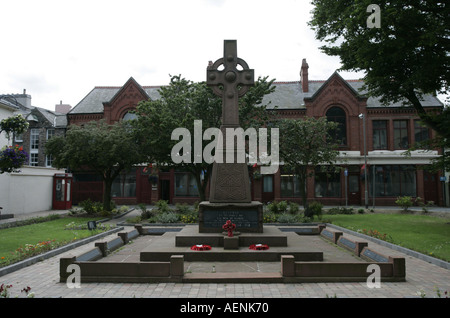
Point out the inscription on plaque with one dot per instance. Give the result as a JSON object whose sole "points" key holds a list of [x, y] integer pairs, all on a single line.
{"points": [[242, 218], [348, 243], [374, 256]]}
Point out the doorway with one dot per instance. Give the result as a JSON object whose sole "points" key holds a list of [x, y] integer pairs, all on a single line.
{"points": [[267, 188], [165, 190], [354, 191], [430, 185]]}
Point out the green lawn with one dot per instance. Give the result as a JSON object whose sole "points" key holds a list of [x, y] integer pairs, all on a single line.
{"points": [[423, 233], [20, 242]]}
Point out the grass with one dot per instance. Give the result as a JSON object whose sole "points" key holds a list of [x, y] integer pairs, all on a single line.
{"points": [[18, 243], [426, 234]]}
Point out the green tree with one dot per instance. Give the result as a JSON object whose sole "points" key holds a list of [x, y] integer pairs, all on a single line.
{"points": [[305, 144], [106, 149], [180, 104], [406, 57], [12, 158]]}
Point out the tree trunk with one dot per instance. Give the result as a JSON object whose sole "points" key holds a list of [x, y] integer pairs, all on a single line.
{"points": [[107, 185]]}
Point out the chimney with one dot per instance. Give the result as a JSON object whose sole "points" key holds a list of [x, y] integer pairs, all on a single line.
{"points": [[62, 108], [304, 76], [24, 99]]}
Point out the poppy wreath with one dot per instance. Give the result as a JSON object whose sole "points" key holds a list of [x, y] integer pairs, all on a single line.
{"points": [[200, 247], [259, 247]]}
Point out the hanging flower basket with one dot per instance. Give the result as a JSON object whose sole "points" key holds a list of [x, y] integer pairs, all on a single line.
{"points": [[12, 158], [259, 247], [201, 247]]}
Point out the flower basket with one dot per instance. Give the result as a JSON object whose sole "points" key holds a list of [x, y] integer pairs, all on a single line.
{"points": [[201, 247], [259, 247], [12, 158]]}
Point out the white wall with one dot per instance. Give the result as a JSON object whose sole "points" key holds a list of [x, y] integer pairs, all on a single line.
{"points": [[27, 191]]}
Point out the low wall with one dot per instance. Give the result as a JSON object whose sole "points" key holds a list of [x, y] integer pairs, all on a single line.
{"points": [[93, 270], [27, 191]]}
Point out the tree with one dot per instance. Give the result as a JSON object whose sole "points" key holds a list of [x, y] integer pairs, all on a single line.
{"points": [[12, 158], [180, 104], [304, 144], [404, 58], [106, 149]]}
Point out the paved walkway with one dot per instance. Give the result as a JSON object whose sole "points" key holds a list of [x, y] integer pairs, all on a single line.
{"points": [[43, 278]]}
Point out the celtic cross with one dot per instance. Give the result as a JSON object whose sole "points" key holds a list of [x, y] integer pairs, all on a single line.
{"points": [[230, 181], [230, 83]]}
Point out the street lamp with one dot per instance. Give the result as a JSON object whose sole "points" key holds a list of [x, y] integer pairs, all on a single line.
{"points": [[366, 197]]}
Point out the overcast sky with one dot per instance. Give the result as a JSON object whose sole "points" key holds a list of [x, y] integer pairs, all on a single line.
{"points": [[61, 49]]}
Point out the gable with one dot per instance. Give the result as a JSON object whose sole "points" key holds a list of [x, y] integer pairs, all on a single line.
{"points": [[126, 99]]}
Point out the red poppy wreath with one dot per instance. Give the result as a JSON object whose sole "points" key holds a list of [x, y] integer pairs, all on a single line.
{"points": [[201, 247], [259, 247]]}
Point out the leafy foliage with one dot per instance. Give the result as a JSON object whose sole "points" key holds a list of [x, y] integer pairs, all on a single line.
{"points": [[179, 105], [106, 149], [306, 143], [406, 57]]}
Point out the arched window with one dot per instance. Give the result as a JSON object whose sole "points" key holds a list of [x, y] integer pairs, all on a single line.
{"points": [[129, 116], [337, 115]]}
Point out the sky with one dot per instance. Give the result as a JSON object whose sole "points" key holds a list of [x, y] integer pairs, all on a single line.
{"points": [[59, 50]]}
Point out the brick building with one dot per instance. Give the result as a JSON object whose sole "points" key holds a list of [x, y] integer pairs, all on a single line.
{"points": [[389, 131]]}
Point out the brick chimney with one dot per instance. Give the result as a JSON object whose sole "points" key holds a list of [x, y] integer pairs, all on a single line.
{"points": [[62, 108], [304, 76]]}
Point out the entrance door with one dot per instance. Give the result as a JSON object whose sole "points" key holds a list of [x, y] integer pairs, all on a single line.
{"points": [[267, 190], [430, 181], [354, 192], [165, 190]]}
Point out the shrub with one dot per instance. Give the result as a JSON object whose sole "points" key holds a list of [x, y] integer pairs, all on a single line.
{"points": [[293, 208], [287, 218], [340, 210], [282, 207], [183, 208], [189, 218], [167, 217], [315, 208], [91, 207], [405, 202], [269, 217], [162, 206], [273, 207]]}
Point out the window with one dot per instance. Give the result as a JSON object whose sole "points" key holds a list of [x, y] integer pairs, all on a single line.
{"points": [[379, 134], [48, 161], [34, 139], [129, 116], [421, 132], [124, 185], [401, 134], [185, 185], [393, 181], [34, 159], [337, 114], [50, 133], [327, 184], [290, 184], [34, 147]]}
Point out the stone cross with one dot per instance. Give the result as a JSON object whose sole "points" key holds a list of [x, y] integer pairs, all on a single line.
{"points": [[230, 181], [230, 83]]}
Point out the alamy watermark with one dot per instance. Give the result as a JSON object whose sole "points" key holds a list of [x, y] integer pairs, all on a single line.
{"points": [[373, 280], [233, 151], [374, 19]]}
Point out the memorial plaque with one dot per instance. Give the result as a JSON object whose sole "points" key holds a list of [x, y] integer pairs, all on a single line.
{"points": [[374, 256], [247, 217], [349, 244], [242, 218]]}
